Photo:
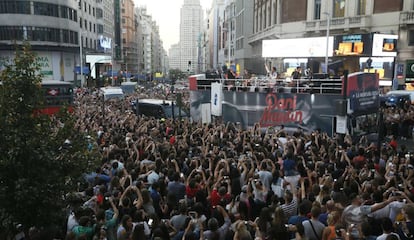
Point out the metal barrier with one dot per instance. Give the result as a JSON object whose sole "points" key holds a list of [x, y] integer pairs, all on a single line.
{"points": [[321, 86]]}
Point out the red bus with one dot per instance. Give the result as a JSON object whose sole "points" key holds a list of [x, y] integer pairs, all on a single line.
{"points": [[57, 94]]}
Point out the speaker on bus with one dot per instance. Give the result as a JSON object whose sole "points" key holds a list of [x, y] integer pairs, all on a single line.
{"points": [[341, 107]]}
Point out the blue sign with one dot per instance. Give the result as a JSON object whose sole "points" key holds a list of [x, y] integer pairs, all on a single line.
{"points": [[85, 70]]}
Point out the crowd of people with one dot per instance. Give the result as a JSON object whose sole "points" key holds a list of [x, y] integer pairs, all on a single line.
{"points": [[176, 179]]}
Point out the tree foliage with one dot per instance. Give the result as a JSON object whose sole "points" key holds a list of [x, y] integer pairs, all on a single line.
{"points": [[36, 168]]}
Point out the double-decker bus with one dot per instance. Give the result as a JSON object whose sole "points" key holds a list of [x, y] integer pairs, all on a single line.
{"points": [[57, 94], [347, 105]]}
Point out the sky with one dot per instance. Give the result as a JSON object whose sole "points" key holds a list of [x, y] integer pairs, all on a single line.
{"points": [[166, 14]]}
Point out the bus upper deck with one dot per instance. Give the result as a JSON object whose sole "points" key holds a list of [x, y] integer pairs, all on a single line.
{"points": [[267, 84]]}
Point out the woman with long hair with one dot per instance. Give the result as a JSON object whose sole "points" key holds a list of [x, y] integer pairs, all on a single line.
{"points": [[125, 228], [329, 231], [279, 229]]}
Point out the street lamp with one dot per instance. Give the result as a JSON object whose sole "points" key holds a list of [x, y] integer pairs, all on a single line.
{"points": [[81, 46], [328, 23]]}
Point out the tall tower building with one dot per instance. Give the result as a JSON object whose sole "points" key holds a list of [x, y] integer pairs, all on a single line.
{"points": [[191, 26], [129, 41]]}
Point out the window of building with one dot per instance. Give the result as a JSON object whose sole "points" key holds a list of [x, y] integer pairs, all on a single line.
{"points": [[99, 13], [64, 12], [317, 10], [338, 8], [75, 15], [362, 4], [100, 28], [269, 14], [46, 9], [411, 38], [11, 33], [65, 36], [73, 37], [93, 11], [21, 7], [80, 22], [44, 34]]}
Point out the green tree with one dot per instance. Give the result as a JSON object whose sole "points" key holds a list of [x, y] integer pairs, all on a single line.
{"points": [[36, 168]]}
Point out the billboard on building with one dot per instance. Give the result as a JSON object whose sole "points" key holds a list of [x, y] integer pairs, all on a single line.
{"points": [[409, 71], [44, 61], [104, 43], [353, 45], [384, 45], [298, 47]]}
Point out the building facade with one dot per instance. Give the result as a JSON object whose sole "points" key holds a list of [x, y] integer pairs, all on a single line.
{"points": [[129, 38], [174, 56], [214, 35], [303, 19], [146, 23], [51, 27], [191, 26]]}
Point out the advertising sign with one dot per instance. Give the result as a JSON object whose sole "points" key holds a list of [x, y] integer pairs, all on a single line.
{"points": [[104, 43], [298, 47], [271, 109], [384, 45], [362, 91], [409, 71], [353, 45], [44, 60], [216, 99], [341, 124]]}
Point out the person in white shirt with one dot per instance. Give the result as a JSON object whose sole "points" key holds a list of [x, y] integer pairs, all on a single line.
{"points": [[387, 229]]}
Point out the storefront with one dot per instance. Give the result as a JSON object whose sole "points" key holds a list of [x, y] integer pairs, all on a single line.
{"points": [[53, 65]]}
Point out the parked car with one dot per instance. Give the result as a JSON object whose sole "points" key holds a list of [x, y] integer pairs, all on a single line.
{"points": [[403, 92], [112, 92], [396, 99]]}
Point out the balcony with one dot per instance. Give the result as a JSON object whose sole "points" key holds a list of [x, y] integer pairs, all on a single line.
{"points": [[339, 23], [407, 18], [272, 32]]}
